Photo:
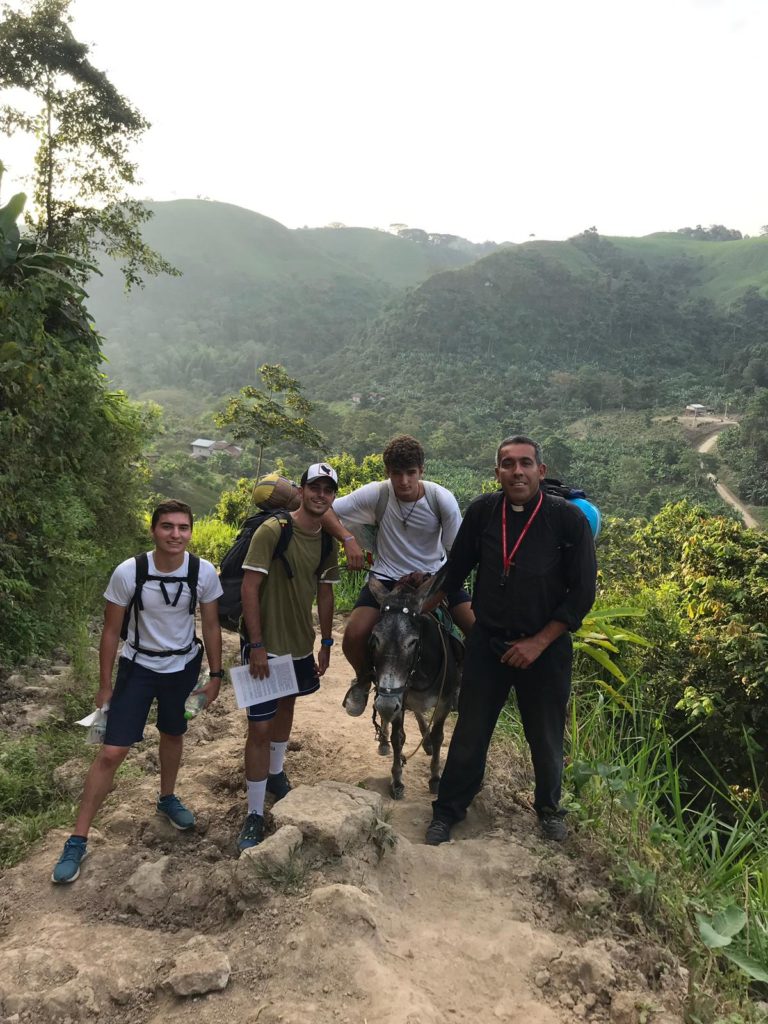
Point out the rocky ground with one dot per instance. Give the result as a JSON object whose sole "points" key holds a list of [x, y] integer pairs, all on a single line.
{"points": [[342, 916]]}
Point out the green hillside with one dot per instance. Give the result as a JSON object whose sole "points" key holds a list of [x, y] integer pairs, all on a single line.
{"points": [[720, 271], [378, 254]]}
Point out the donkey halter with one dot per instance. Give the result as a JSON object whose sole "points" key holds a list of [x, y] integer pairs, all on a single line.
{"points": [[393, 691]]}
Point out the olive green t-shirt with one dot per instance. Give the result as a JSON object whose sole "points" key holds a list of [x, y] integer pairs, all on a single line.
{"points": [[286, 604]]}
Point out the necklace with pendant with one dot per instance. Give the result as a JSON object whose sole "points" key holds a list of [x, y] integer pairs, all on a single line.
{"points": [[403, 517]]}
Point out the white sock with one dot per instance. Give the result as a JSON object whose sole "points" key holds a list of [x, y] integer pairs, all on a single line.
{"points": [[256, 793], [277, 757]]}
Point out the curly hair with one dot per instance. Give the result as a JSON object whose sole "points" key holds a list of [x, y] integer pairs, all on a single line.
{"points": [[403, 452]]}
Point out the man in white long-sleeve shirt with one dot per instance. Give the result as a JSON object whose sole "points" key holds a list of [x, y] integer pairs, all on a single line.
{"points": [[411, 524]]}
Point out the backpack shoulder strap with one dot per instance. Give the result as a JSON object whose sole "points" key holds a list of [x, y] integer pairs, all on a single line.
{"points": [[554, 505], [326, 543], [193, 574], [286, 533], [382, 501], [431, 493], [135, 605]]}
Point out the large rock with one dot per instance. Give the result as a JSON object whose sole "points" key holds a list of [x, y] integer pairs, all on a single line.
{"points": [[255, 865], [344, 903], [332, 815], [146, 891], [200, 967]]}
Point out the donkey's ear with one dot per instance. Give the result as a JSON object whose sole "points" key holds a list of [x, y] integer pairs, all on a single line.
{"points": [[432, 584], [377, 588]]}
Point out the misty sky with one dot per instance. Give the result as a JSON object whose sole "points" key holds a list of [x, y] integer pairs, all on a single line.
{"points": [[483, 118]]}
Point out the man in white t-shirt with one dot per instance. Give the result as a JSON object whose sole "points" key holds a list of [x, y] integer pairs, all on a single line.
{"points": [[413, 523], [151, 602]]}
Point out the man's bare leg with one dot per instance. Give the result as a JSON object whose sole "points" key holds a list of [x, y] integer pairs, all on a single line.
{"points": [[464, 617], [98, 783], [355, 647], [170, 751]]}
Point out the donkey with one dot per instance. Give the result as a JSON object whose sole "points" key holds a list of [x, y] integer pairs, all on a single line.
{"points": [[416, 665]]}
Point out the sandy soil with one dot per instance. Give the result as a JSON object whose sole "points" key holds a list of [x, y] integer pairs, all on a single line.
{"points": [[495, 926]]}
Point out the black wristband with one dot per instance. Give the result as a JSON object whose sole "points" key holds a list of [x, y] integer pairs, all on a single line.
{"points": [[216, 675]]}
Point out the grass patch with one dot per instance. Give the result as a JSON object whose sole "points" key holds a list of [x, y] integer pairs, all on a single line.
{"points": [[687, 852], [288, 876]]}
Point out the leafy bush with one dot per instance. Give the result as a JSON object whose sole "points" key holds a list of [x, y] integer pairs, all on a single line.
{"points": [[212, 539], [703, 581]]}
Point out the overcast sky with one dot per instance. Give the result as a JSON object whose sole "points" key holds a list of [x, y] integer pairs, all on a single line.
{"points": [[492, 119]]}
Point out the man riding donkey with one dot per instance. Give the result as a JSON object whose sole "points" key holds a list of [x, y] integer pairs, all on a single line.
{"points": [[414, 523]]}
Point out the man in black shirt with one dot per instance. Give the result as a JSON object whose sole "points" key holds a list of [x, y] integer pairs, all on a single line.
{"points": [[536, 574]]}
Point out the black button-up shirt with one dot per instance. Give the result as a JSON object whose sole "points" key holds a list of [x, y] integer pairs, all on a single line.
{"points": [[554, 571]]}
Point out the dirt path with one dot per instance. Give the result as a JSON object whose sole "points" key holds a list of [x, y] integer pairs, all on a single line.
{"points": [[725, 492], [495, 926]]}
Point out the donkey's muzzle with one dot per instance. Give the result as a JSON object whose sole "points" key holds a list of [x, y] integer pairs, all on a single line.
{"points": [[389, 705]]}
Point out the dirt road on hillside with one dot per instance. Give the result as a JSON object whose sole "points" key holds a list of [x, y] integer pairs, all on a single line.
{"points": [[495, 926], [725, 492]]}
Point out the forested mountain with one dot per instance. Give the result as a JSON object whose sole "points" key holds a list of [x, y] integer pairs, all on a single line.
{"points": [[251, 288], [384, 338]]}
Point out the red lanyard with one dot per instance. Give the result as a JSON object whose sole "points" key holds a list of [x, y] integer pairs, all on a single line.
{"points": [[507, 559]]}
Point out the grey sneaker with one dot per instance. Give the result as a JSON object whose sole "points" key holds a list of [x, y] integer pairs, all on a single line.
{"points": [[438, 832], [553, 827], [252, 832], [356, 698], [278, 785], [68, 865], [174, 810]]}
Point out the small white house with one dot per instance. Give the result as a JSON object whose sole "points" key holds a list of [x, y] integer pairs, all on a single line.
{"points": [[695, 409], [202, 447]]}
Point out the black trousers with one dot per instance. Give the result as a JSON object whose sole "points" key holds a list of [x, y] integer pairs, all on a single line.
{"points": [[542, 692]]}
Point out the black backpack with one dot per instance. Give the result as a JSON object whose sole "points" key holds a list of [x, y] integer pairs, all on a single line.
{"points": [[231, 571], [551, 486], [135, 605]]}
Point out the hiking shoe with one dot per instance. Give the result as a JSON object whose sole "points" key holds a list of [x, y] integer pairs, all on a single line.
{"points": [[278, 785], [175, 811], [252, 832], [553, 827], [68, 865], [438, 832], [355, 699]]}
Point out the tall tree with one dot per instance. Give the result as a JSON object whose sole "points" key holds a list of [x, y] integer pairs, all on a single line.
{"points": [[84, 130], [278, 411]]}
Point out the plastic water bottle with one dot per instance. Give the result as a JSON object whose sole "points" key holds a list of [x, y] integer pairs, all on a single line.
{"points": [[195, 703]]}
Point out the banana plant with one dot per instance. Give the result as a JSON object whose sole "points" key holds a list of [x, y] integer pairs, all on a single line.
{"points": [[599, 637]]}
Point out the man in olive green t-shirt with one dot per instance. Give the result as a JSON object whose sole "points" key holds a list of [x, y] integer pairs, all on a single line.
{"points": [[277, 616]]}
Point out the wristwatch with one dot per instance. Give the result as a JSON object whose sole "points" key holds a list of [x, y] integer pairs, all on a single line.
{"points": [[327, 641], [216, 675]]}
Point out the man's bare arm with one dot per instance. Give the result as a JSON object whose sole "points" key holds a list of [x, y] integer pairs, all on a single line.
{"points": [[331, 523]]}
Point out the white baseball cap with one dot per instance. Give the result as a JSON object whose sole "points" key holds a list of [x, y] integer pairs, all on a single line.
{"points": [[319, 471]]}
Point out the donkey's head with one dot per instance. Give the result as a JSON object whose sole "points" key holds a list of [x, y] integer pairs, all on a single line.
{"points": [[395, 642]]}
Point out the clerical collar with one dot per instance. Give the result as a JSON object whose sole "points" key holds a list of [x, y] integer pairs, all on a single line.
{"points": [[527, 507]]}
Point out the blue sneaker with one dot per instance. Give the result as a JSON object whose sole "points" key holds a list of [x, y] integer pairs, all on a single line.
{"points": [[278, 785], [68, 865], [252, 832], [175, 811]]}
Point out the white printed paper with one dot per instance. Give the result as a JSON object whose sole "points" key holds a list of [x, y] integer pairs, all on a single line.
{"points": [[94, 715], [281, 682]]}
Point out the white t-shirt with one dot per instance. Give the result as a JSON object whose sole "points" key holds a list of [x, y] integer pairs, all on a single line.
{"points": [[162, 627], [410, 537]]}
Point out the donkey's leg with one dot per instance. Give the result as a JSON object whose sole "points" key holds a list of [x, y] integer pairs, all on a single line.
{"points": [[384, 747], [398, 739], [436, 738], [424, 728]]}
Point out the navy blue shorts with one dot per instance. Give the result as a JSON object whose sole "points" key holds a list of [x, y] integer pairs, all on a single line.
{"points": [[136, 687], [367, 600], [306, 677]]}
